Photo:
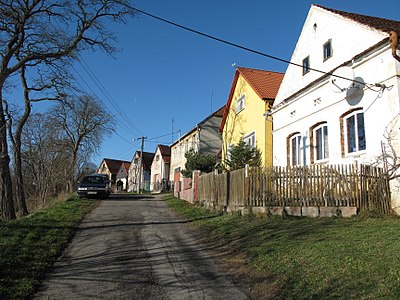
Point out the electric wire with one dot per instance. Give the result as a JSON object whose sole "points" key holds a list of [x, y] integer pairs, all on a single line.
{"points": [[107, 95], [122, 124], [244, 48]]}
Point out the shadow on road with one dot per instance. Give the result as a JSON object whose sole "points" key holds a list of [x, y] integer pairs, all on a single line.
{"points": [[130, 197]]}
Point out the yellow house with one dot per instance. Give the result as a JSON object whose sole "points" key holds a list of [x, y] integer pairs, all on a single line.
{"points": [[252, 94]]}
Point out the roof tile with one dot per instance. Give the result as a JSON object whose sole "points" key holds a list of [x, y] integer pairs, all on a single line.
{"points": [[381, 24], [264, 83]]}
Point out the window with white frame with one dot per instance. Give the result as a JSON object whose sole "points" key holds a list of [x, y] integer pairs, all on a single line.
{"points": [[250, 139], [354, 132], [306, 65], [327, 48], [240, 102], [294, 148], [320, 142]]}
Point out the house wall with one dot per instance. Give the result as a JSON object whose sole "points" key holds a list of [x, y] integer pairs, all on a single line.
{"points": [[159, 171], [179, 149], [322, 105], [249, 120], [205, 139], [319, 103], [210, 140], [123, 176], [348, 39]]}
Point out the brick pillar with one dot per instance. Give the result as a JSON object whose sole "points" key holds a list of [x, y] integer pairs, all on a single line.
{"points": [[195, 186]]}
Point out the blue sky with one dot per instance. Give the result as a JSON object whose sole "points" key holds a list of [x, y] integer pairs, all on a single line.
{"points": [[167, 79]]}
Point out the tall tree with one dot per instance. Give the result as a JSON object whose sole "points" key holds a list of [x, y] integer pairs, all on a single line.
{"points": [[33, 32], [47, 86], [83, 121]]}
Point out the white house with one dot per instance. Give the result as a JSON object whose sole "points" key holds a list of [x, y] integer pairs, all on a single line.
{"points": [[123, 174], [204, 138], [160, 169], [141, 173], [339, 98]]}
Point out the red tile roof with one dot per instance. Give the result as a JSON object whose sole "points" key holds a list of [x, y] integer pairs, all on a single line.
{"points": [[113, 165], [265, 83], [219, 112], [126, 166], [381, 24], [165, 152]]}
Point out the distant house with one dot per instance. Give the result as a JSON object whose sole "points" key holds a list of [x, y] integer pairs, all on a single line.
{"points": [[252, 93], [137, 173], [123, 174], [111, 167], [204, 138], [347, 111], [160, 169]]}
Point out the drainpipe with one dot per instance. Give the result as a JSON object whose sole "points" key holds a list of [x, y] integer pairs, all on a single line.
{"points": [[394, 41]]}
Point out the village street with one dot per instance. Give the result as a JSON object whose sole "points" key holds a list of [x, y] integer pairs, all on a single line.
{"points": [[134, 247]]}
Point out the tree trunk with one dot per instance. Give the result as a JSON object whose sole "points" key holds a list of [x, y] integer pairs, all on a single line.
{"points": [[19, 180], [6, 196]]}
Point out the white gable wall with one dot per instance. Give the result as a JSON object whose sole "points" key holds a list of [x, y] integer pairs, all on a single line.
{"points": [[348, 39]]}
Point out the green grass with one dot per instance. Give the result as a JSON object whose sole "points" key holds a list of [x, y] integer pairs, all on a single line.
{"points": [[29, 246], [320, 258]]}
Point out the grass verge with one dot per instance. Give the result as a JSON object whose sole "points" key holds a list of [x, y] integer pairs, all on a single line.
{"points": [[308, 258], [29, 246]]}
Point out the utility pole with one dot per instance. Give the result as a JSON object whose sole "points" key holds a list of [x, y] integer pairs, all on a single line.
{"points": [[140, 164]]}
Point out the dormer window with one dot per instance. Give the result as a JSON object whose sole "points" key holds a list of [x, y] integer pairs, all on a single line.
{"points": [[240, 103], [306, 65], [327, 49]]}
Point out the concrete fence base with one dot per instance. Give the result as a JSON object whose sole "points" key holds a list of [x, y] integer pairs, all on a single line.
{"points": [[298, 211]]}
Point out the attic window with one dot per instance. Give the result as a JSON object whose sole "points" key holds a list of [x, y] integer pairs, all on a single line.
{"points": [[306, 65], [327, 49], [240, 103]]}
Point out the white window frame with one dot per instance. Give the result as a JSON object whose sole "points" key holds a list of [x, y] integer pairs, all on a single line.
{"points": [[240, 103], [250, 139], [322, 145], [306, 67], [295, 156], [324, 49], [359, 141]]}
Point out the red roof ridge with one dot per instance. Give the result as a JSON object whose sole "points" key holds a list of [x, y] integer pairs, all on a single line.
{"points": [[381, 24]]}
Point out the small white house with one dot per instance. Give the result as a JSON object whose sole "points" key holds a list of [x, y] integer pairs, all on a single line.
{"points": [[160, 169], [122, 175], [339, 99]]}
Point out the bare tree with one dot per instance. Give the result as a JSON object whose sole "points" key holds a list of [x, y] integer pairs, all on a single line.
{"points": [[44, 158], [46, 86], [388, 158], [83, 122], [44, 31]]}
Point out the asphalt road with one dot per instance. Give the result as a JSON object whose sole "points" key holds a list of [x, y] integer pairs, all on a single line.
{"points": [[137, 248]]}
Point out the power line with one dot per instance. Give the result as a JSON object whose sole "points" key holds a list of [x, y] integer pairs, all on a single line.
{"points": [[107, 95], [245, 48], [121, 124]]}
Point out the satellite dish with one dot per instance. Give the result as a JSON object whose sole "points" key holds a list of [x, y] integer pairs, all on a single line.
{"points": [[342, 79], [355, 93]]}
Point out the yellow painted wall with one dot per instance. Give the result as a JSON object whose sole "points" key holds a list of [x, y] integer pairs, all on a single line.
{"points": [[248, 120]]}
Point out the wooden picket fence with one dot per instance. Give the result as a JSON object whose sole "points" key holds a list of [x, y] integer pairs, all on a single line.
{"points": [[361, 186]]}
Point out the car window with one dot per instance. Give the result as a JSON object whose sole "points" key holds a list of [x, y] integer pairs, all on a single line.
{"points": [[93, 179]]}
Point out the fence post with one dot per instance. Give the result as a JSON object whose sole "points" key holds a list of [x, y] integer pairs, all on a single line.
{"points": [[195, 185], [228, 188]]}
